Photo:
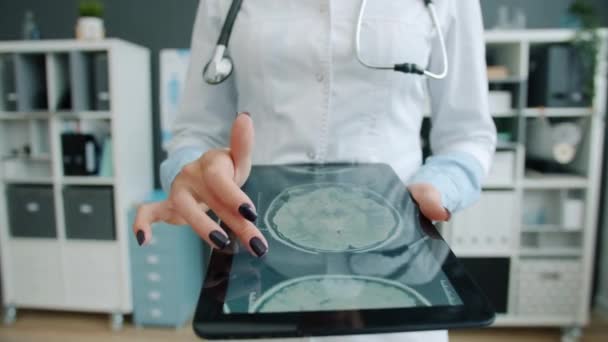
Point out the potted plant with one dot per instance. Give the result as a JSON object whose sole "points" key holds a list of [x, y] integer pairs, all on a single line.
{"points": [[586, 41], [90, 23]]}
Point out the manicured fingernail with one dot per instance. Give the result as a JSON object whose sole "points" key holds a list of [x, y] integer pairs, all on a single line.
{"points": [[247, 212], [220, 240], [245, 113], [141, 237], [258, 247]]}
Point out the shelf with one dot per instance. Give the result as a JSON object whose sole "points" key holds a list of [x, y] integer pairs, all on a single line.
{"points": [[549, 228], [28, 180], [506, 80], [519, 320], [36, 158], [506, 146], [506, 114], [497, 185], [81, 115], [549, 252], [87, 180], [85, 115], [554, 181], [500, 36], [24, 115], [557, 112]]}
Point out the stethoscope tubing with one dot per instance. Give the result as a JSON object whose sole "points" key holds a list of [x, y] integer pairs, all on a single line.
{"points": [[212, 76]]}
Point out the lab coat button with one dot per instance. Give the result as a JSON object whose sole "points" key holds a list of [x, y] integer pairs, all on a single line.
{"points": [[320, 77], [311, 155]]}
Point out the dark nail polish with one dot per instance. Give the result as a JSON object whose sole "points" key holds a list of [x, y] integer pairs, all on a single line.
{"points": [[220, 240], [247, 212], [259, 248], [141, 237]]}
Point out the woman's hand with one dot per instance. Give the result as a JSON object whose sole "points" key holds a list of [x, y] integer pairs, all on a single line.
{"points": [[211, 182], [429, 201]]}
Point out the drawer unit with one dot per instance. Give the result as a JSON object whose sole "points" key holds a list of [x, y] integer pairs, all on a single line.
{"points": [[31, 210], [167, 275], [549, 287], [89, 213]]}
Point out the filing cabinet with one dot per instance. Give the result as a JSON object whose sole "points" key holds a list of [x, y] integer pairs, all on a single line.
{"points": [[89, 213], [31, 211], [167, 275]]}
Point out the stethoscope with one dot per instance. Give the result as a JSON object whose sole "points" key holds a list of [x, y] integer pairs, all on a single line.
{"points": [[220, 66]]}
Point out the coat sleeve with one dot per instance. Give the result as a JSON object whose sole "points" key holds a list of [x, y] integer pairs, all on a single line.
{"points": [[206, 111], [463, 135]]}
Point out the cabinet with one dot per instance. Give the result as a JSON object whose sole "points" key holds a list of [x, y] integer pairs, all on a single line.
{"points": [[167, 274], [64, 235]]}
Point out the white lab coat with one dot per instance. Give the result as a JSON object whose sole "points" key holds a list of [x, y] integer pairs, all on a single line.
{"points": [[296, 73]]}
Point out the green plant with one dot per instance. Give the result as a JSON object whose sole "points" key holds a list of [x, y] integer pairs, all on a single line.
{"points": [[586, 42], [90, 8]]}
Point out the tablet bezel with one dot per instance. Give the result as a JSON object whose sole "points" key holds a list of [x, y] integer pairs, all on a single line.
{"points": [[210, 321]]}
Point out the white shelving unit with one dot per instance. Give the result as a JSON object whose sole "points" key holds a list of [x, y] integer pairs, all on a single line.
{"points": [[550, 263], [45, 87]]}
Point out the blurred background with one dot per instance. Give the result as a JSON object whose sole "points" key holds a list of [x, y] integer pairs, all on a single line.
{"points": [[71, 172]]}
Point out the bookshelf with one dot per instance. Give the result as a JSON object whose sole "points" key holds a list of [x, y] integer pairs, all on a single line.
{"points": [[550, 250], [48, 89]]}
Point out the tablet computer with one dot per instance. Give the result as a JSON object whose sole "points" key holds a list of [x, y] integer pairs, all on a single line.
{"points": [[349, 253]]}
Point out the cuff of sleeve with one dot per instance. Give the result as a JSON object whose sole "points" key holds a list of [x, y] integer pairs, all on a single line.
{"points": [[450, 195], [173, 165], [457, 176]]}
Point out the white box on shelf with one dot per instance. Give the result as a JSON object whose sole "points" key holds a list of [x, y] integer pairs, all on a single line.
{"points": [[500, 102], [573, 213], [486, 228], [502, 172]]}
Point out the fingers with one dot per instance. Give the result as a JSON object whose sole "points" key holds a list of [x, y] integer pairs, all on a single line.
{"points": [[241, 146], [147, 214], [429, 202], [229, 194], [188, 208], [236, 209], [249, 235]]}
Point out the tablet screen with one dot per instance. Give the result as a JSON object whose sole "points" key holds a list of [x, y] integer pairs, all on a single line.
{"points": [[341, 237]]}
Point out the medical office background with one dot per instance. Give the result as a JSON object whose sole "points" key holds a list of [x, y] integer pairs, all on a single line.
{"points": [[550, 241]]}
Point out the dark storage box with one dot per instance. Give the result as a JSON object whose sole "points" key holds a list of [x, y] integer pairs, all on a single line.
{"points": [[89, 213], [31, 211]]}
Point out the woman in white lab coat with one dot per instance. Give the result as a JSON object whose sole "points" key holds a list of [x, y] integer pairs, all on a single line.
{"points": [[308, 99]]}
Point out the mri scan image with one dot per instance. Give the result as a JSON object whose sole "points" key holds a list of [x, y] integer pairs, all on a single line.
{"points": [[337, 292], [331, 217]]}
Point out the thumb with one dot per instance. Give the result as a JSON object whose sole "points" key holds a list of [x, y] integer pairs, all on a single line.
{"points": [[241, 146], [429, 201]]}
